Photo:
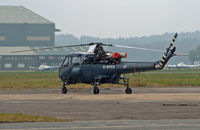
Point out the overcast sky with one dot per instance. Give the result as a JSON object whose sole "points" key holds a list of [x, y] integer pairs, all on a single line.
{"points": [[117, 18]]}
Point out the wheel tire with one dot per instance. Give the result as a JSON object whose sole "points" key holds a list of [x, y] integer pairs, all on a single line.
{"points": [[96, 90], [64, 90], [128, 91]]}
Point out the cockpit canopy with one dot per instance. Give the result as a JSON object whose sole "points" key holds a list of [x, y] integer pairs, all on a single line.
{"points": [[78, 59]]}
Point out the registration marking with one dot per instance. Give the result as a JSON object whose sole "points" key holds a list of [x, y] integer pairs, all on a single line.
{"points": [[108, 66]]}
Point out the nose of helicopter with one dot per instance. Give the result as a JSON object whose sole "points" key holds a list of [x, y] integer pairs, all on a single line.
{"points": [[63, 72], [67, 74]]}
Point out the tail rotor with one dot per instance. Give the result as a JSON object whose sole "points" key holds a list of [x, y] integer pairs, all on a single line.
{"points": [[168, 54]]}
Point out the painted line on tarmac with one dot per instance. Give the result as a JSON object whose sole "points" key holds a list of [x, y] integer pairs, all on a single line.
{"points": [[33, 101], [107, 127], [141, 101], [67, 101]]}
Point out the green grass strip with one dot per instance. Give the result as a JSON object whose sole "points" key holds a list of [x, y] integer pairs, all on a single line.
{"points": [[21, 117], [36, 80]]}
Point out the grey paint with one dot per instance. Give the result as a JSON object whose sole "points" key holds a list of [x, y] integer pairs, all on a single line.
{"points": [[16, 34]]}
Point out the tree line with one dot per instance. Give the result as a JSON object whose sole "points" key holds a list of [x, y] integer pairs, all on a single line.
{"points": [[186, 43]]}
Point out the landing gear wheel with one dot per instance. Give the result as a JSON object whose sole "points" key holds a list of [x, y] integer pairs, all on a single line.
{"points": [[64, 90], [128, 90], [96, 90]]}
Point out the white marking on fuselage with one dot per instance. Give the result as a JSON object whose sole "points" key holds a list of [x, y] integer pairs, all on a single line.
{"points": [[108, 66], [124, 66]]}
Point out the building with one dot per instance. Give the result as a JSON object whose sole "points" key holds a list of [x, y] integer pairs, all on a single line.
{"points": [[28, 60], [22, 29]]}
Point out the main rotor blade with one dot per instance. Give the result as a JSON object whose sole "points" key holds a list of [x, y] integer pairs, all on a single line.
{"points": [[138, 48], [147, 49], [46, 48]]}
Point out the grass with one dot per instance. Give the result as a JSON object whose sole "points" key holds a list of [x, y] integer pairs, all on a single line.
{"points": [[20, 117], [29, 80], [165, 79], [21, 80]]}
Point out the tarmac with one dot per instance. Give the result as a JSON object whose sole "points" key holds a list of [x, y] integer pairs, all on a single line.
{"points": [[146, 108], [188, 124]]}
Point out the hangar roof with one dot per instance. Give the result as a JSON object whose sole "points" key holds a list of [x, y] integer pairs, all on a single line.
{"points": [[60, 51], [20, 14]]}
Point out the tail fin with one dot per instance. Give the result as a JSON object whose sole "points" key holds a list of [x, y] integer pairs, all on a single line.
{"points": [[168, 54]]}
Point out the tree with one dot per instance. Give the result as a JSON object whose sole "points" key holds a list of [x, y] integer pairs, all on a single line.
{"points": [[194, 55]]}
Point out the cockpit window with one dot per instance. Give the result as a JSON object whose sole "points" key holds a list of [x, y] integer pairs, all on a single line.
{"points": [[71, 61], [87, 60], [67, 61], [76, 61]]}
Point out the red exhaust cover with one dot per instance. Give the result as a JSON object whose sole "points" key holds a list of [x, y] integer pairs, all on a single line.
{"points": [[116, 55]]}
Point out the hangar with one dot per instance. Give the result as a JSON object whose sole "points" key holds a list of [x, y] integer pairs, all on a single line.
{"points": [[22, 29]]}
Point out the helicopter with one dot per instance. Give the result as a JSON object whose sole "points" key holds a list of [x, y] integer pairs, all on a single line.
{"points": [[97, 66]]}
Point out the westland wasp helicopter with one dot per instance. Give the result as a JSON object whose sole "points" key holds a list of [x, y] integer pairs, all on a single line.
{"points": [[98, 66]]}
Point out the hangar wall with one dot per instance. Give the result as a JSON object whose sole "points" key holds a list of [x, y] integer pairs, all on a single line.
{"points": [[27, 34]]}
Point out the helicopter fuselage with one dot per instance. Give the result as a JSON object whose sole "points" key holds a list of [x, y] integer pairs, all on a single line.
{"points": [[107, 73]]}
